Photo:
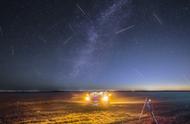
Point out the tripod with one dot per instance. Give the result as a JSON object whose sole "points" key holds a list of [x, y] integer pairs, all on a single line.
{"points": [[148, 105]]}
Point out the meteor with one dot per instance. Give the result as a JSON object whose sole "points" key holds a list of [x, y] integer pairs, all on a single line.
{"points": [[124, 29], [83, 12], [157, 18]]}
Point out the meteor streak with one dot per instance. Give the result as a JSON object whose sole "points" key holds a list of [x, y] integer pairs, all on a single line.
{"points": [[83, 12], [157, 18], [125, 29]]}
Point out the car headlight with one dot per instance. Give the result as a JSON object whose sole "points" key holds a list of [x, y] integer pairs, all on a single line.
{"points": [[105, 98], [87, 98]]}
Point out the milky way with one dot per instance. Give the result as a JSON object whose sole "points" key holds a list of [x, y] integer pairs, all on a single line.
{"points": [[99, 35]]}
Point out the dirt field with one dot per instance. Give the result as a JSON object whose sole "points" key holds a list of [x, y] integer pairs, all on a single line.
{"points": [[69, 107]]}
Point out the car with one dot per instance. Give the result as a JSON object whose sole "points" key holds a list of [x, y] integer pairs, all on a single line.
{"points": [[98, 98]]}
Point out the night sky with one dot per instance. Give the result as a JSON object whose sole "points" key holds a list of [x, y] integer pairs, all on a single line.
{"points": [[95, 44]]}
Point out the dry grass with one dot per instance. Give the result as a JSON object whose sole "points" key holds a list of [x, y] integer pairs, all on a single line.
{"points": [[53, 112]]}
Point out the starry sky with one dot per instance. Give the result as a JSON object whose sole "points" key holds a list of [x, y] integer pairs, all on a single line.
{"points": [[95, 44]]}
